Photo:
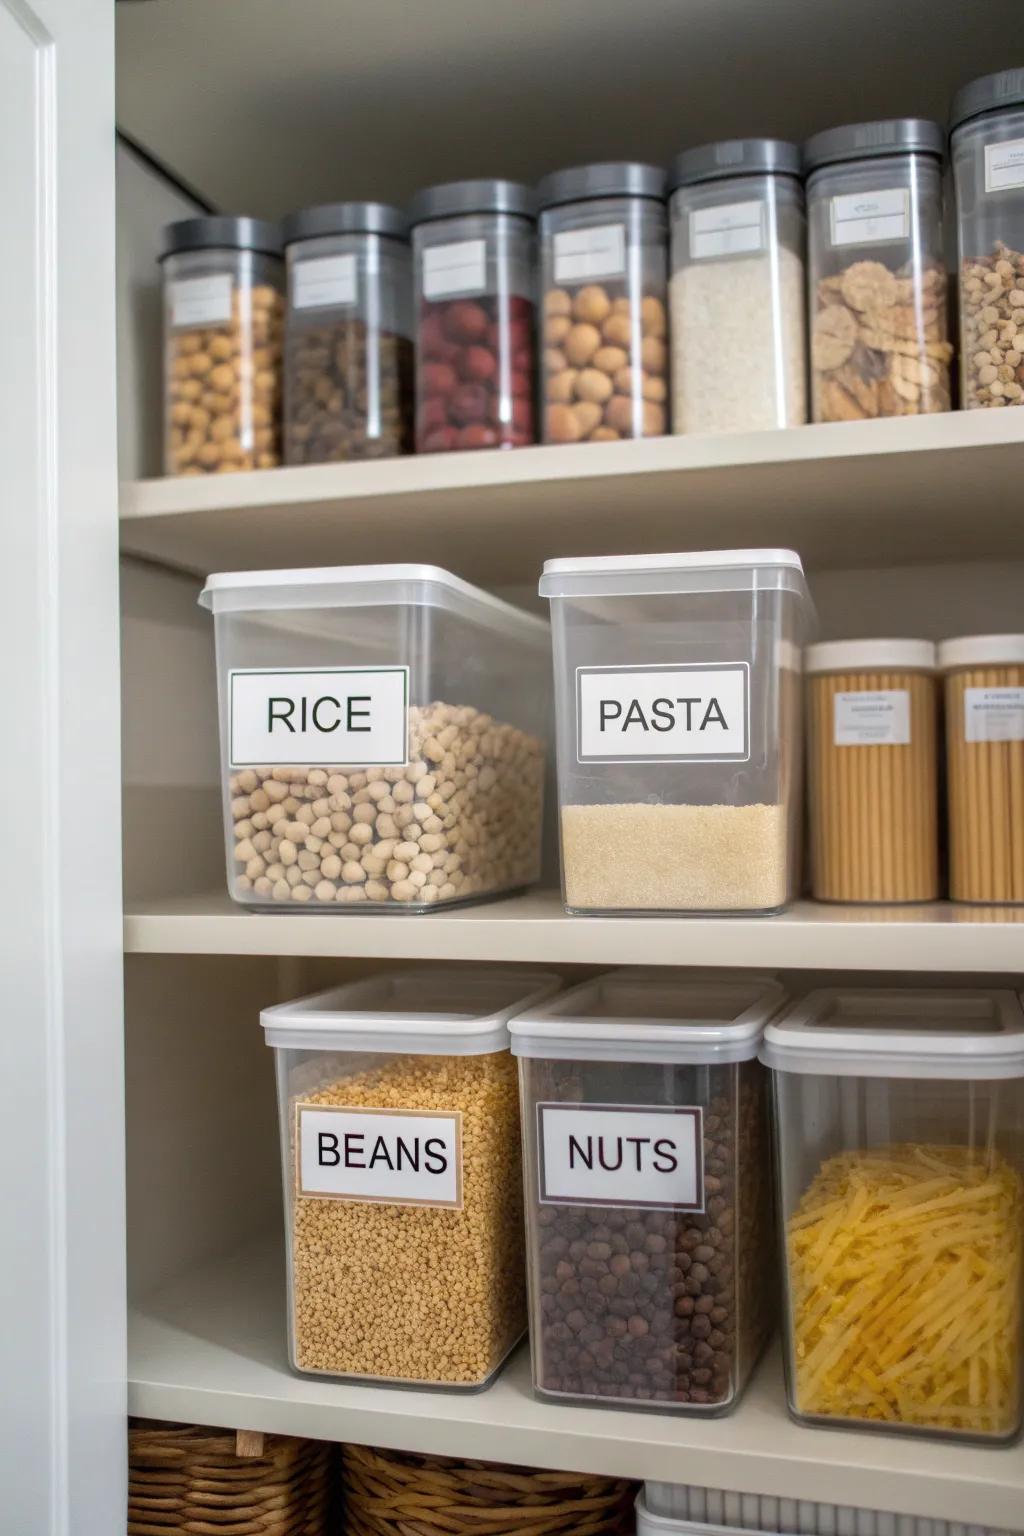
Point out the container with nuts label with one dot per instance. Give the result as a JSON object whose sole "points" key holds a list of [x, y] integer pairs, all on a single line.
{"points": [[402, 1177], [223, 326], [603, 255], [878, 299]]}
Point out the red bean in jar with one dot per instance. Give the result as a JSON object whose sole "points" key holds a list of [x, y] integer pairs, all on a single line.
{"points": [[473, 258]]}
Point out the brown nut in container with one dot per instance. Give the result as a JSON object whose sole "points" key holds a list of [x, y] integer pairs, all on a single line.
{"points": [[223, 322]]}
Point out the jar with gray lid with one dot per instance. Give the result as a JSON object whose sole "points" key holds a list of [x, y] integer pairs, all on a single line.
{"points": [[223, 283], [739, 351], [348, 336], [987, 148], [878, 321], [603, 257]]}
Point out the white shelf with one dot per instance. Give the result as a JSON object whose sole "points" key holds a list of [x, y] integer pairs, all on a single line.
{"points": [[210, 1349], [857, 493], [535, 928]]}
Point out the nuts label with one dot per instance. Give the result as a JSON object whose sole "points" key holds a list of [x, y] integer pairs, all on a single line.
{"points": [[338, 715], [994, 714], [871, 719], [870, 218], [324, 280], [727, 230], [200, 300], [621, 1155], [581, 254], [1004, 165], [663, 713], [395, 1157], [457, 268]]}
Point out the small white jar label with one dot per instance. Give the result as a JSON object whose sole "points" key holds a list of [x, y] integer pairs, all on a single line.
{"points": [[994, 714], [870, 218], [880, 718], [729, 230], [323, 281], [621, 1155], [581, 254], [395, 1157], [1004, 165], [291, 717], [200, 300], [663, 713], [458, 268]]}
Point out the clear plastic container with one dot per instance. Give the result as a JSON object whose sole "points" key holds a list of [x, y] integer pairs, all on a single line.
{"points": [[383, 734], [651, 1255], [223, 282], [677, 691], [603, 264], [873, 770], [877, 271], [738, 291], [473, 263], [899, 1122], [984, 688], [987, 147], [348, 374], [400, 1156], [682, 1509]]}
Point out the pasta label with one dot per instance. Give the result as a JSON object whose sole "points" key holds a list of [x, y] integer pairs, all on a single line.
{"points": [[994, 714], [880, 718]]}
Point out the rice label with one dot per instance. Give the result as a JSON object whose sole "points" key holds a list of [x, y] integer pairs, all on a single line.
{"points": [[1004, 165], [621, 1155], [994, 714], [290, 717], [457, 268], [200, 300], [581, 254], [870, 218], [880, 718], [324, 280], [395, 1157], [727, 230], [663, 713]]}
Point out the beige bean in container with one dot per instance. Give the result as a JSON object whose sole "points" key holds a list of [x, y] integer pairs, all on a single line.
{"points": [[985, 766], [872, 733]]}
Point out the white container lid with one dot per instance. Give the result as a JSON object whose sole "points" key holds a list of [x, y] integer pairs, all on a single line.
{"points": [[870, 655], [650, 1016], [368, 586], [428, 1012], [926, 1032], [720, 570], [981, 651]]}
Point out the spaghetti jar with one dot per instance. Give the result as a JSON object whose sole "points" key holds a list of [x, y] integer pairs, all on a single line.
{"points": [[872, 738], [985, 766]]}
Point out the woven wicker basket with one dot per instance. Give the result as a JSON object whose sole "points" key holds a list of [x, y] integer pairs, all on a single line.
{"points": [[392, 1493], [209, 1482]]}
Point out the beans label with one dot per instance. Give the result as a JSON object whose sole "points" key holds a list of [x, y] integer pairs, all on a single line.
{"points": [[581, 254], [727, 230], [872, 719], [1004, 165], [395, 1157], [457, 268], [324, 280], [338, 715], [870, 218], [621, 1155], [200, 300], [994, 714], [663, 713]]}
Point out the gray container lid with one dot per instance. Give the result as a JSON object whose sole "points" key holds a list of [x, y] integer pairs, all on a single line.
{"points": [[221, 232], [453, 198], [989, 93], [344, 219], [867, 141], [612, 178], [734, 157]]}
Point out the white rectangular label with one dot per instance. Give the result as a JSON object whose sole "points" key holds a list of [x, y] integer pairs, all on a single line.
{"points": [[1004, 165], [618, 1154], [654, 714], [872, 719], [201, 300], [338, 715], [994, 714], [870, 218], [727, 230], [323, 280], [397, 1157], [581, 254], [459, 268]]}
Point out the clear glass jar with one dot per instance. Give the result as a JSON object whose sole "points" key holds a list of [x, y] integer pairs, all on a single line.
{"points": [[223, 324], [473, 266], [603, 258], [738, 305], [877, 271], [987, 147], [348, 336]]}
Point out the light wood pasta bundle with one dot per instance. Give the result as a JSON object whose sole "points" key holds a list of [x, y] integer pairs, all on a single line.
{"points": [[905, 1276], [985, 766]]}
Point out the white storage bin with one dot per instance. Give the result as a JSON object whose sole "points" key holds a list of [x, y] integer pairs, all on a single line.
{"points": [[680, 1509], [383, 733], [677, 690], [402, 1186]]}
